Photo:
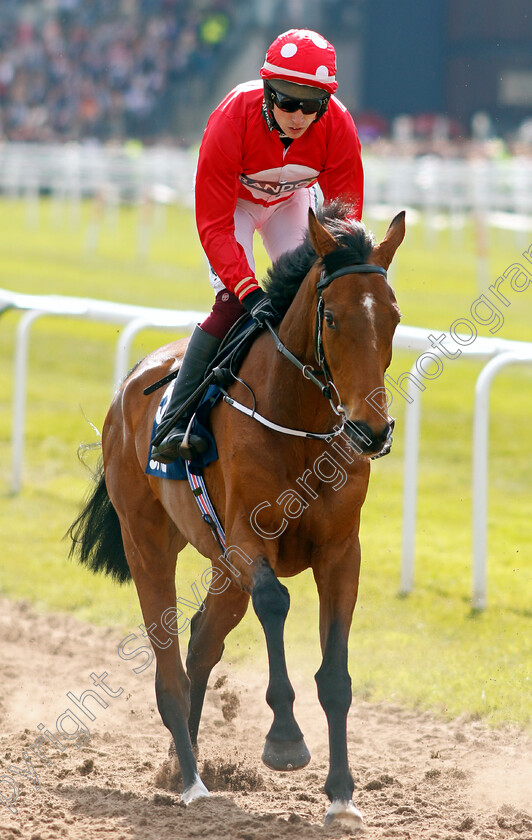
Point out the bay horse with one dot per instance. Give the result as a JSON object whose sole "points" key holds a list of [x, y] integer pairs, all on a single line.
{"points": [[287, 501]]}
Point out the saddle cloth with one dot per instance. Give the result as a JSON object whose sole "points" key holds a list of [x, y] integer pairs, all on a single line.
{"points": [[177, 469], [233, 350]]}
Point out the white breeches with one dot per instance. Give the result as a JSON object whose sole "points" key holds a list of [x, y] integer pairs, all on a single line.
{"points": [[282, 227]]}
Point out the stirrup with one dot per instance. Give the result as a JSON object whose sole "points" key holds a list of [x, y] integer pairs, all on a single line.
{"points": [[191, 445], [179, 444]]}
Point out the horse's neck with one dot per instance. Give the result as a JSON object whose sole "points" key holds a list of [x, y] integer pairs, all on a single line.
{"points": [[283, 391], [297, 327]]}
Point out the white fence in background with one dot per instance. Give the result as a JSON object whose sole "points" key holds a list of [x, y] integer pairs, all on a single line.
{"points": [[115, 174], [451, 185], [437, 193], [130, 173], [497, 353]]}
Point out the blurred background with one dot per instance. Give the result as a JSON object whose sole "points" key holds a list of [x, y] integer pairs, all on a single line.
{"points": [[110, 97], [102, 108], [108, 70]]}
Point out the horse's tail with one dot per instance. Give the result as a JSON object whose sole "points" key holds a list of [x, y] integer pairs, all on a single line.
{"points": [[96, 535]]}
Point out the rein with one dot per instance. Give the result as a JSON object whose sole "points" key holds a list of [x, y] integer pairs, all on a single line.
{"points": [[323, 369]]}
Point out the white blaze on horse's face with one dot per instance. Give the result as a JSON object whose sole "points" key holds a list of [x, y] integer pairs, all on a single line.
{"points": [[360, 320], [368, 302], [361, 315]]}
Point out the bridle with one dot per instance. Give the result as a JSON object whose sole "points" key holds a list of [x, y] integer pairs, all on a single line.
{"points": [[323, 370], [319, 353], [327, 387]]}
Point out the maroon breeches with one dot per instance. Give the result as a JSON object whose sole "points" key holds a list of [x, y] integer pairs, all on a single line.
{"points": [[225, 312]]}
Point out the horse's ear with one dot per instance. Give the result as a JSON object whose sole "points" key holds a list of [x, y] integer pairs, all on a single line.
{"points": [[383, 253], [322, 241]]}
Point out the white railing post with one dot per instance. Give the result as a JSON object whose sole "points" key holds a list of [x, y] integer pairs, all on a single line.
{"points": [[123, 349], [20, 396], [480, 470], [410, 486]]}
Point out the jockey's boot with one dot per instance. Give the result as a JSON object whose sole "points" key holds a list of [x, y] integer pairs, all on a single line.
{"points": [[201, 350]]}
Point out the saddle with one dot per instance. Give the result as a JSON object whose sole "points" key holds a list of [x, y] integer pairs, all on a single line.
{"points": [[225, 365], [221, 373]]}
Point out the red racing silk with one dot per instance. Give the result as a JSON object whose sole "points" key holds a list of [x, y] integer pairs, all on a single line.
{"points": [[241, 158]]}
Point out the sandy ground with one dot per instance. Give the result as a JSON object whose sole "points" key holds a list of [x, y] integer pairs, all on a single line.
{"points": [[415, 776]]}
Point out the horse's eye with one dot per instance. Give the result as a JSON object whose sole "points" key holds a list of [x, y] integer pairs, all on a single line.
{"points": [[329, 319]]}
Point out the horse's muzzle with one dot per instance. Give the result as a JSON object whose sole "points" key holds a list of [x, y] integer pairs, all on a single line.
{"points": [[368, 442]]}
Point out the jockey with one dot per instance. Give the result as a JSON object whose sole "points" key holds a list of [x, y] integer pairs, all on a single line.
{"points": [[264, 149]]}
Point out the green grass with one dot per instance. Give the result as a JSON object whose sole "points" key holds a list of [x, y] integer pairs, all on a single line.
{"points": [[429, 650]]}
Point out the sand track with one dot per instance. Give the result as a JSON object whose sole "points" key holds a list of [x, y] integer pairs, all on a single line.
{"points": [[416, 776]]}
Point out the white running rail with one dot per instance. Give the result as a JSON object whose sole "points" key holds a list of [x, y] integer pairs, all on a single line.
{"points": [[496, 352]]}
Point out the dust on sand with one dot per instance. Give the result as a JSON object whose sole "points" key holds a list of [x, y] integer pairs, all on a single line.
{"points": [[415, 776]]}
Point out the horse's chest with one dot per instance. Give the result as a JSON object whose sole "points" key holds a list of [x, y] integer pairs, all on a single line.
{"points": [[317, 519]]}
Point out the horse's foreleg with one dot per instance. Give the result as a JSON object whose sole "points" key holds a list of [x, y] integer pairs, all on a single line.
{"points": [[223, 609], [285, 748], [337, 581]]}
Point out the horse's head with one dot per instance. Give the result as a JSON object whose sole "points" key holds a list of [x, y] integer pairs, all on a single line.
{"points": [[356, 321]]}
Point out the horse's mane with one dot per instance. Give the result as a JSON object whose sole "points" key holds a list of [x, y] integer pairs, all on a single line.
{"points": [[287, 273]]}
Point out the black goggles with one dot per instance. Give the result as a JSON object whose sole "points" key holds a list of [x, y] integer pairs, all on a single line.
{"points": [[291, 105]]}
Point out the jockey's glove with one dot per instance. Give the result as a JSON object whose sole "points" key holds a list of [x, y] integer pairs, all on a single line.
{"points": [[260, 307]]}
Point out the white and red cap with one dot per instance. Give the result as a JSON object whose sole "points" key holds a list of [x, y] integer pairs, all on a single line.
{"points": [[303, 57]]}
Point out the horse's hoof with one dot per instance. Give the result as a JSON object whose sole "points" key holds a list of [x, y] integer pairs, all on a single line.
{"points": [[343, 811], [196, 790], [285, 755]]}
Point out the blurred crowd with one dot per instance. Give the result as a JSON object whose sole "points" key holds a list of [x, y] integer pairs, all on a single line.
{"points": [[112, 70], [104, 69]]}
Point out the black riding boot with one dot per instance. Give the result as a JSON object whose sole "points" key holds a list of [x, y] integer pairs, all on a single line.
{"points": [[201, 350]]}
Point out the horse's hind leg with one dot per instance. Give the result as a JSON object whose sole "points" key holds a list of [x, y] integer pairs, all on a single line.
{"points": [[224, 607], [153, 568]]}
